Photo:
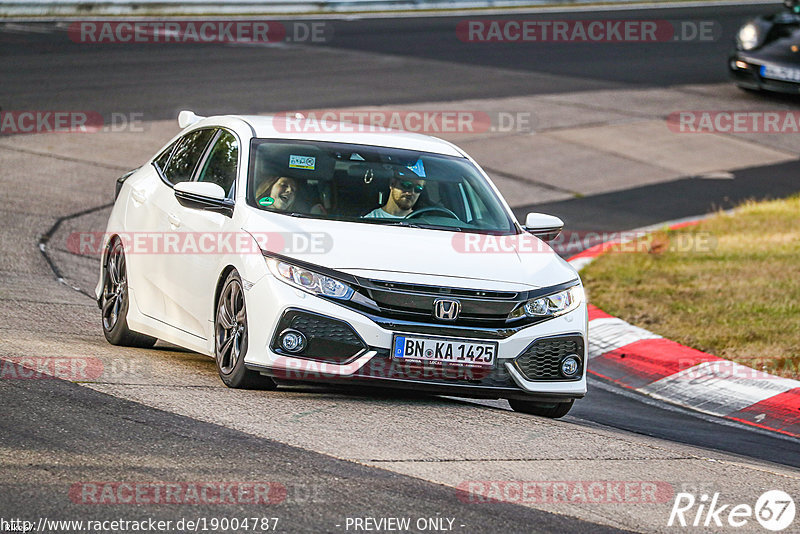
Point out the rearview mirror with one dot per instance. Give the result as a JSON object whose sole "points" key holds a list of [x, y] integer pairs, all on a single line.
{"points": [[203, 195], [545, 227]]}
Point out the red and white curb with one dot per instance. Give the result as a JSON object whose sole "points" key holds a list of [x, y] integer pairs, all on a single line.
{"points": [[637, 359]]}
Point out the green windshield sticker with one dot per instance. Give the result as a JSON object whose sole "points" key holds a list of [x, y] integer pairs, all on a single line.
{"points": [[266, 201]]}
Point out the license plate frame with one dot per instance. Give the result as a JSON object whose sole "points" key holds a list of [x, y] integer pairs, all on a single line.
{"points": [[428, 354], [783, 74]]}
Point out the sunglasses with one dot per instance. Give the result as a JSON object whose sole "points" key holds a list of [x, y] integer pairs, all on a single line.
{"points": [[410, 186]]}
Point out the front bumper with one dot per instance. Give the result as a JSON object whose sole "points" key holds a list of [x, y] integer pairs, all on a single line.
{"points": [[270, 301], [747, 75]]}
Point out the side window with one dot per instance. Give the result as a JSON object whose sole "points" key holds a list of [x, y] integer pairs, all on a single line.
{"points": [[220, 166], [181, 166], [161, 161]]}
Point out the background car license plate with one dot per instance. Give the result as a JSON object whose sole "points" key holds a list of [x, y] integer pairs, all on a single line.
{"points": [[780, 73], [454, 351]]}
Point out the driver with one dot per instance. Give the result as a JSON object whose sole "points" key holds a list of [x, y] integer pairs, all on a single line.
{"points": [[403, 195]]}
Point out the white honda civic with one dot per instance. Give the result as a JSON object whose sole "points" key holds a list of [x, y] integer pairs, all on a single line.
{"points": [[373, 257]]}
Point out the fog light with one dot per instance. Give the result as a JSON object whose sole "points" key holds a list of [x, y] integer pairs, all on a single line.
{"points": [[570, 366], [293, 341], [741, 65]]}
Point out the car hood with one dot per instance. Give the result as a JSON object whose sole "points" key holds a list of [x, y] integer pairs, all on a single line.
{"points": [[778, 48], [516, 262], [779, 52]]}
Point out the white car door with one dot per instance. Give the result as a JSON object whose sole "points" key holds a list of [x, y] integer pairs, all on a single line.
{"points": [[142, 221], [208, 233], [168, 262]]}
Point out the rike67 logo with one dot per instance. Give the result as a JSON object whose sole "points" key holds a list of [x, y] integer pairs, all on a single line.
{"points": [[774, 510]]}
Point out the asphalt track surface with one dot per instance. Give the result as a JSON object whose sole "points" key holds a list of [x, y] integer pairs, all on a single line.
{"points": [[92, 436], [159, 80], [41, 70]]}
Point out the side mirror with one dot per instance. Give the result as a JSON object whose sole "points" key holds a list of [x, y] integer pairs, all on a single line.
{"points": [[204, 196], [545, 227]]}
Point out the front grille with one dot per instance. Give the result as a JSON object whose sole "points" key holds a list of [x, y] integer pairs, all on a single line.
{"points": [[445, 291], [414, 302], [396, 305], [542, 359]]}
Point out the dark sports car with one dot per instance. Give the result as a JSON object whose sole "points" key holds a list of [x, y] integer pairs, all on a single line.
{"points": [[767, 54]]}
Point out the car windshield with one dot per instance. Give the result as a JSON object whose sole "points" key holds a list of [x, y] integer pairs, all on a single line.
{"points": [[373, 185]]}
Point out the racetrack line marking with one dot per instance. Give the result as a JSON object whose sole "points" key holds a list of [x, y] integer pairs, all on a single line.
{"points": [[639, 360], [613, 388], [45, 239]]}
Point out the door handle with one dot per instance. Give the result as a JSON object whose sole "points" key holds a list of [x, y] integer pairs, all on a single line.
{"points": [[174, 221]]}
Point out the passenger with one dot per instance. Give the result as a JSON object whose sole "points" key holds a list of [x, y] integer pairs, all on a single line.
{"points": [[277, 193], [403, 195]]}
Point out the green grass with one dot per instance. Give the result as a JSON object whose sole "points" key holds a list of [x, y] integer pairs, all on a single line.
{"points": [[729, 286]]}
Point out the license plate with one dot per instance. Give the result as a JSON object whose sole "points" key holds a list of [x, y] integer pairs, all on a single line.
{"points": [[780, 73], [444, 351]]}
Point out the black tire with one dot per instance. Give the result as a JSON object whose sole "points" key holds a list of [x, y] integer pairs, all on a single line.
{"points": [[230, 339], [553, 410], [114, 301]]}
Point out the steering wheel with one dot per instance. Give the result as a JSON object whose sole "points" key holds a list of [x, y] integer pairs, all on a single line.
{"points": [[429, 209]]}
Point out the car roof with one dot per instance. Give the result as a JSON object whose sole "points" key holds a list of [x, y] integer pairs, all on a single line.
{"points": [[277, 127]]}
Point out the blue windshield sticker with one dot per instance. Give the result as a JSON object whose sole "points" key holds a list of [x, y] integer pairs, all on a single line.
{"points": [[302, 162], [418, 168]]}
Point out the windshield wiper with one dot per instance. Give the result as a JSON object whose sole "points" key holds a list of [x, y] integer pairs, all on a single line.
{"points": [[385, 222], [428, 226]]}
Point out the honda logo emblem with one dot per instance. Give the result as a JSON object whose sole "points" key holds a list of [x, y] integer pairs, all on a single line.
{"points": [[446, 310]]}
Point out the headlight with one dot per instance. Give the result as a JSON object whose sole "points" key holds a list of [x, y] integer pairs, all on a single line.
{"points": [[310, 281], [551, 305], [748, 36]]}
